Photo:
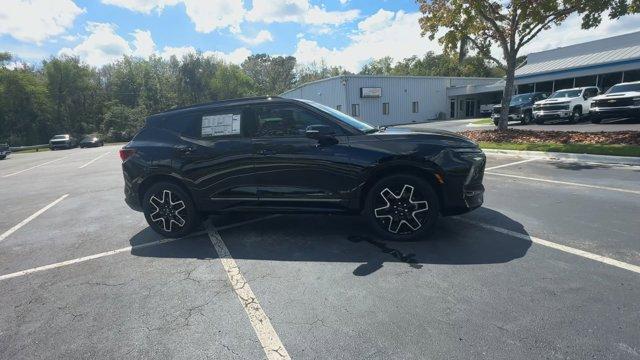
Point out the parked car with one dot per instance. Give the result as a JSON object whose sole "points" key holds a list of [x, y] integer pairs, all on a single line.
{"points": [[520, 108], [568, 104], [5, 150], [279, 155], [64, 141], [620, 101], [91, 141], [485, 109]]}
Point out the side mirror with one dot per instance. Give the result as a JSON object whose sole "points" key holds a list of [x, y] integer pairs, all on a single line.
{"points": [[319, 132]]}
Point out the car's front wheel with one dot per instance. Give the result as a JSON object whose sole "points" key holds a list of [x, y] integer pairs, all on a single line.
{"points": [[169, 210], [575, 115], [402, 208]]}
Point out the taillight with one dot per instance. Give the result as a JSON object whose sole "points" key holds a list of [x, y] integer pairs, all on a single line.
{"points": [[126, 153]]}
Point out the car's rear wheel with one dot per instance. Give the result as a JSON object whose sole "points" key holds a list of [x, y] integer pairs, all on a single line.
{"points": [[169, 210], [402, 208]]}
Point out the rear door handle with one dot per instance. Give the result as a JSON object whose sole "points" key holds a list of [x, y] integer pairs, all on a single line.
{"points": [[266, 152]]}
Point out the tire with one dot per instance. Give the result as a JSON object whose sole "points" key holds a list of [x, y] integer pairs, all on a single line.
{"points": [[526, 119], [402, 208], [596, 119], [3, 157], [169, 210], [495, 122], [575, 115], [539, 121]]}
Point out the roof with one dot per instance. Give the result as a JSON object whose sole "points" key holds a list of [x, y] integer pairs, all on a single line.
{"points": [[214, 104], [475, 89], [617, 49]]}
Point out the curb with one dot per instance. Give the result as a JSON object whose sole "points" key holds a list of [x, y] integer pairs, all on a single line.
{"points": [[587, 158]]}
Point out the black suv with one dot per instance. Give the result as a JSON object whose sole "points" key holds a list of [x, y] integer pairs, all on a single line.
{"points": [[281, 155], [520, 107]]}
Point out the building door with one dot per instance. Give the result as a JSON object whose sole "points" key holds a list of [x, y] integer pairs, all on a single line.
{"points": [[452, 109], [470, 108]]}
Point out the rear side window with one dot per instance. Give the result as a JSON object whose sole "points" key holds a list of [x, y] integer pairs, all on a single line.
{"points": [[207, 124]]}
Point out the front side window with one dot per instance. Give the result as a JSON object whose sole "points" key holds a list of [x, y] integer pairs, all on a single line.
{"points": [[286, 121]]}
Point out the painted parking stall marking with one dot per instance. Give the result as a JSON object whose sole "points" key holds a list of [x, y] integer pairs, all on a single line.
{"points": [[33, 216], [636, 192], [121, 250], [260, 322], [34, 167], [550, 244], [94, 160]]}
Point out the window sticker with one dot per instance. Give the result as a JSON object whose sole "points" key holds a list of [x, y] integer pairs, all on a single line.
{"points": [[221, 125]]}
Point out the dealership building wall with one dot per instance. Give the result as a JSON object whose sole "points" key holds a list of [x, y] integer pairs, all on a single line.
{"points": [[388, 100]]}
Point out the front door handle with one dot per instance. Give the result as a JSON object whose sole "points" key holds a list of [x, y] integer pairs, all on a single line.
{"points": [[266, 152], [185, 149]]}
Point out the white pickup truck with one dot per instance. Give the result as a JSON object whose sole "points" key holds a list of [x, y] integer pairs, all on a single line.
{"points": [[570, 104]]}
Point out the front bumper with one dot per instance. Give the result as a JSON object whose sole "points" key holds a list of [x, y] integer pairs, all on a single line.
{"points": [[55, 145], [616, 112], [552, 114], [512, 117]]}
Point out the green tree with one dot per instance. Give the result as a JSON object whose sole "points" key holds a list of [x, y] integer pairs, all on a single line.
{"points": [[272, 75], [24, 107], [382, 66], [317, 71], [229, 81], [510, 25], [122, 122]]}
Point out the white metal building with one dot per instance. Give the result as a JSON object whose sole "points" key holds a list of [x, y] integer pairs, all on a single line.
{"points": [[389, 100], [604, 63]]}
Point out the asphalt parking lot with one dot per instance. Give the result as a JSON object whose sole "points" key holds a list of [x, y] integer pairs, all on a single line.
{"points": [[549, 268]]}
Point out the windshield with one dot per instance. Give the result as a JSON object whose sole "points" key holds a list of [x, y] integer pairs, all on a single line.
{"points": [[360, 125], [624, 88], [565, 94], [59, 137], [521, 99]]}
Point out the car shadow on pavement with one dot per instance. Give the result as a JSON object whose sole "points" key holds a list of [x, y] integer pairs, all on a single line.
{"points": [[347, 239]]}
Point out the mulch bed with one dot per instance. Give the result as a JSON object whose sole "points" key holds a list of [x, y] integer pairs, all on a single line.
{"points": [[558, 137]]}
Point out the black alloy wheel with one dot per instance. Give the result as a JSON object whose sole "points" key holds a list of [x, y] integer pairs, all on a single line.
{"points": [[169, 210], [402, 208], [526, 118]]}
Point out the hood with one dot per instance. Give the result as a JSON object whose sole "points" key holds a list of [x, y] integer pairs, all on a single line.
{"points": [[617, 95], [431, 136], [557, 100]]}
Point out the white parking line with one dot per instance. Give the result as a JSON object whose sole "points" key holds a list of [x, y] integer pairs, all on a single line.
{"points": [[37, 166], [566, 183], [27, 220], [271, 344], [564, 248], [92, 161], [118, 251], [513, 163]]}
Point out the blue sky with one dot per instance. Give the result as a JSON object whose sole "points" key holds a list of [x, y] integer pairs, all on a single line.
{"points": [[340, 32]]}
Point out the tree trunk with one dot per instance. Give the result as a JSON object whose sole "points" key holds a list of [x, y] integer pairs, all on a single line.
{"points": [[503, 123]]}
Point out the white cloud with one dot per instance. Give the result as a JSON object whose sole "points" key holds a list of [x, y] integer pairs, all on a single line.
{"points": [[262, 37], [143, 43], [237, 56], [300, 11], [570, 32], [143, 6], [382, 34], [101, 47], [207, 15], [180, 51], [37, 20]]}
